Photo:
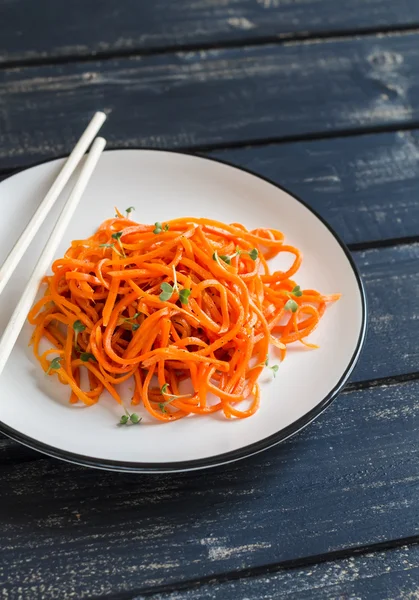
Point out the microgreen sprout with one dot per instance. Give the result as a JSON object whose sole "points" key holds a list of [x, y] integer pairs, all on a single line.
{"points": [[113, 248], [129, 210], [291, 305], [131, 321], [216, 258], [86, 356], [166, 291], [171, 397], [54, 365], [297, 291], [253, 254], [184, 296], [159, 228], [226, 259], [78, 327], [128, 418], [117, 236], [175, 285], [274, 368]]}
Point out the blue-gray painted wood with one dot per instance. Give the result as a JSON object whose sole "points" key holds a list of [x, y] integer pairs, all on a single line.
{"points": [[349, 479], [366, 187], [219, 97], [48, 30], [390, 575], [391, 278]]}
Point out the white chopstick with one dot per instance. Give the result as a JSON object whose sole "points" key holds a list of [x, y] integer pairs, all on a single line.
{"points": [[19, 315], [48, 202]]}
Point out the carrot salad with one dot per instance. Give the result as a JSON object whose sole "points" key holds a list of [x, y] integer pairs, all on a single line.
{"points": [[191, 300]]}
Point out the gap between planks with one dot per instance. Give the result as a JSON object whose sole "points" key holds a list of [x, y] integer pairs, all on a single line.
{"points": [[266, 570], [279, 39], [246, 144]]}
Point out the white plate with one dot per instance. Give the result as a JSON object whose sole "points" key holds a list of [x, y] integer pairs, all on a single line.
{"points": [[162, 185]]}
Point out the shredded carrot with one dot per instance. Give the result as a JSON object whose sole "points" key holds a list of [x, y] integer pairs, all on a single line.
{"points": [[191, 300]]}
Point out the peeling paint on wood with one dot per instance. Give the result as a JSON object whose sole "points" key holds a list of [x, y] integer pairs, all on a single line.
{"points": [[307, 90], [350, 479], [136, 26], [391, 575], [366, 187]]}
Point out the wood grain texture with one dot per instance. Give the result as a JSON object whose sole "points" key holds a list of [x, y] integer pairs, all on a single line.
{"points": [[391, 575], [350, 479], [208, 99], [366, 187], [48, 29], [391, 279]]}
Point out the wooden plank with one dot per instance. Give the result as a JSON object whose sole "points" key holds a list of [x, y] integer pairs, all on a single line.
{"points": [[208, 99], [391, 278], [56, 29], [366, 187], [348, 480], [389, 575]]}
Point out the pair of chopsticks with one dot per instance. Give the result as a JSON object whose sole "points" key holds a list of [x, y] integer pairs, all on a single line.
{"points": [[27, 299]]}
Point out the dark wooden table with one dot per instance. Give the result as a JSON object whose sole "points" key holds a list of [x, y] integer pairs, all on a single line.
{"points": [[323, 97]]}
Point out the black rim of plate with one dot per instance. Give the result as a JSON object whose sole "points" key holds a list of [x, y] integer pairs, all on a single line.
{"points": [[240, 453]]}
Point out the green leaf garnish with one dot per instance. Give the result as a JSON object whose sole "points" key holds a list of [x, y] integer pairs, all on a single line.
{"points": [[129, 417], [54, 365], [226, 259], [117, 236], [158, 228], [253, 254], [112, 246], [86, 356], [166, 227], [274, 368], [78, 327], [163, 390], [131, 321], [291, 305], [166, 291], [297, 291], [129, 210], [175, 285], [216, 258], [184, 296]]}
